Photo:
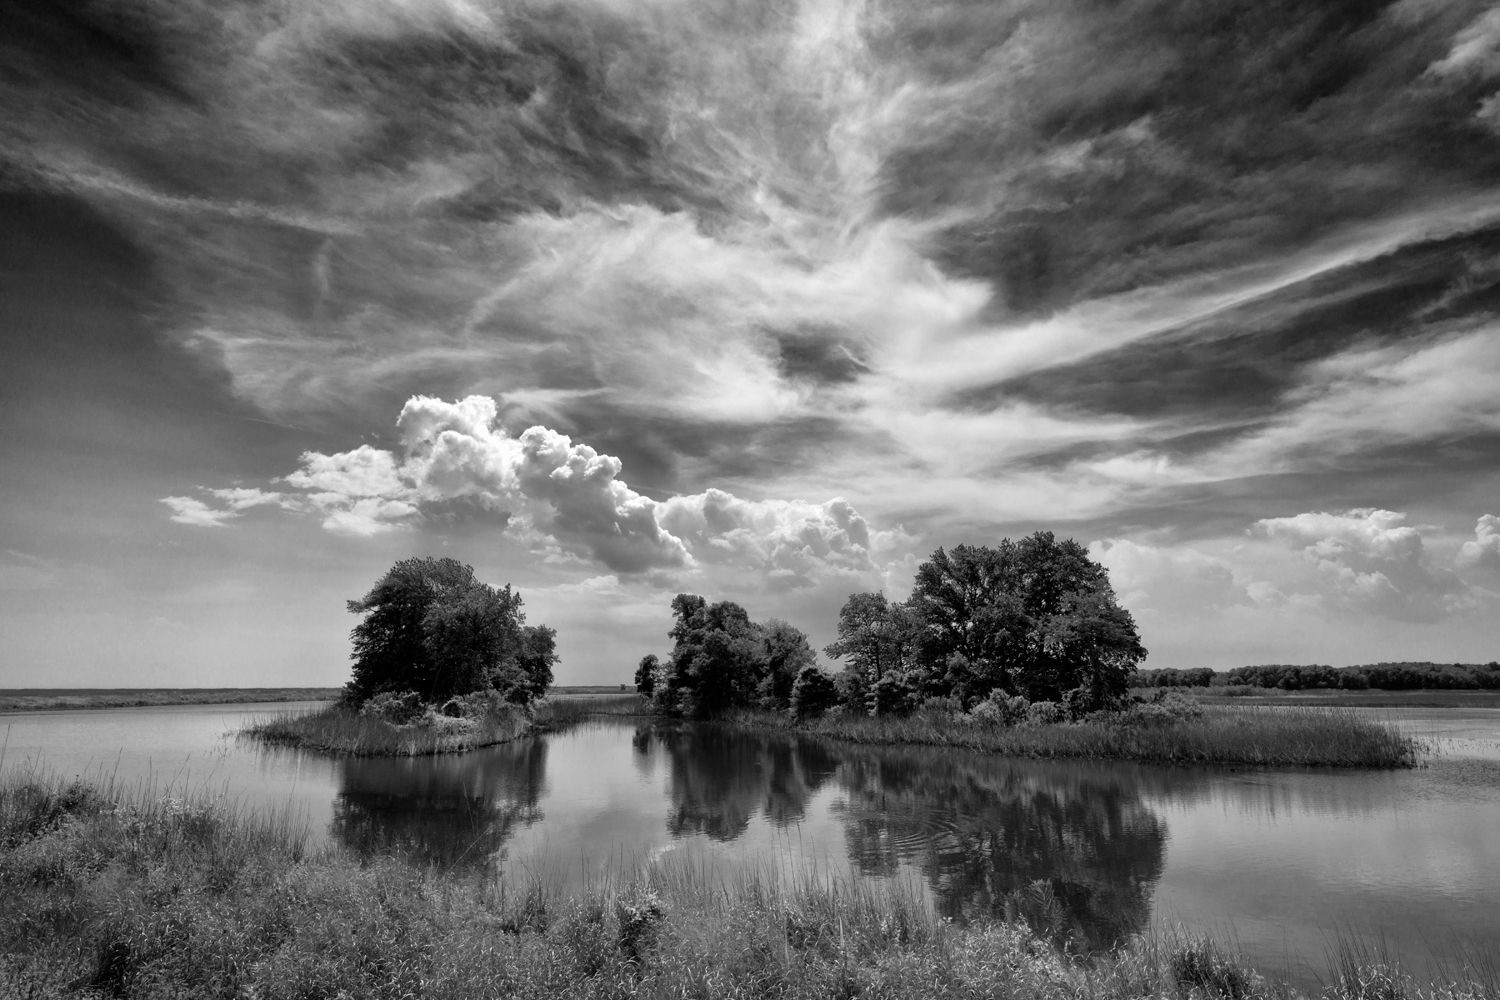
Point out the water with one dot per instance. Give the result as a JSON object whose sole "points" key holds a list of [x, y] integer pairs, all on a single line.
{"points": [[1283, 863]]}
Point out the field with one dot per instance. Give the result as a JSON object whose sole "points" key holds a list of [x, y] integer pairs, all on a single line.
{"points": [[65, 699], [112, 894], [1223, 695], [1251, 735]]}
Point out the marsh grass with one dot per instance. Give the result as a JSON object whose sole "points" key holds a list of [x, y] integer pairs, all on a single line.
{"points": [[344, 730], [143, 895], [340, 729], [1277, 736]]}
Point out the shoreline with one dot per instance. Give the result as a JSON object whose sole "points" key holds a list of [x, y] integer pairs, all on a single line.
{"points": [[1252, 736], [252, 911], [82, 699]]}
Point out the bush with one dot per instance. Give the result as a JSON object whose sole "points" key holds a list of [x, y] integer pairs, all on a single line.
{"points": [[1000, 709], [1045, 713], [894, 694], [813, 693], [399, 708]]}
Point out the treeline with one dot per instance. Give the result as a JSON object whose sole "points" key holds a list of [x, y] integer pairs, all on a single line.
{"points": [[1170, 677], [1027, 622], [1378, 676]]}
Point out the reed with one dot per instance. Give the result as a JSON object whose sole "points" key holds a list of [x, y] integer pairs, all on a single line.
{"points": [[341, 729], [344, 730], [1276, 736], [143, 895]]}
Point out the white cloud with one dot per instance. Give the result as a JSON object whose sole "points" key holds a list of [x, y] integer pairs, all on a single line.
{"points": [[1168, 579], [1476, 49], [187, 510], [1484, 550], [573, 501], [1369, 560]]}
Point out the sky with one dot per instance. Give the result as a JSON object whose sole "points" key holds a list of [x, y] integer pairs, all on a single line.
{"points": [[616, 299]]}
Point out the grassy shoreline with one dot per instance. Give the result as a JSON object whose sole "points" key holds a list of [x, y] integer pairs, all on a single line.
{"points": [[141, 896], [71, 699], [1252, 736], [339, 729]]}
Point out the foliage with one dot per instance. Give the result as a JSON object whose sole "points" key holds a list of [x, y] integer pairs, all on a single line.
{"points": [[1170, 677], [1380, 676], [430, 627], [1034, 618], [813, 693], [645, 675], [722, 660]]}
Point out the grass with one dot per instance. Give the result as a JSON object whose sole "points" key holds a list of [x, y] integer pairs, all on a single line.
{"points": [[65, 699], [1326, 737], [111, 894], [343, 730]]}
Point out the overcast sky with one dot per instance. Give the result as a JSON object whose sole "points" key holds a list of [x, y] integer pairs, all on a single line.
{"points": [[765, 301]]}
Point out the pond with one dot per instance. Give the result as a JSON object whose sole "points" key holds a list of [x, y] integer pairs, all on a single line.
{"points": [[1282, 863]]}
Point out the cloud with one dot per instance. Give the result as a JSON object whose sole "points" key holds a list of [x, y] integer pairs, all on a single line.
{"points": [[1171, 580], [1476, 49], [1484, 549], [572, 497], [1370, 560], [234, 501]]}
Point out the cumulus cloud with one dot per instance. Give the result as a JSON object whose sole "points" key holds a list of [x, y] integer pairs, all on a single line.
{"points": [[572, 496], [1370, 560], [1484, 549], [1167, 579]]}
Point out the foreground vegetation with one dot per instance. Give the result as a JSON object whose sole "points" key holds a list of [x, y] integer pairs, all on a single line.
{"points": [[397, 727], [145, 896], [1176, 734], [59, 699]]}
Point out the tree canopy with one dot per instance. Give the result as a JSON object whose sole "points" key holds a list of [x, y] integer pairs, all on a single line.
{"points": [[1034, 617], [429, 626], [721, 659]]}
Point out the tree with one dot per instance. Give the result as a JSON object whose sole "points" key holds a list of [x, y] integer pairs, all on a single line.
{"points": [[721, 660], [1035, 617], [813, 693], [430, 627], [645, 674]]}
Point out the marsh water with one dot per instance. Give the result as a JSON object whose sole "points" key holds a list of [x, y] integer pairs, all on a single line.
{"points": [[1283, 863]]}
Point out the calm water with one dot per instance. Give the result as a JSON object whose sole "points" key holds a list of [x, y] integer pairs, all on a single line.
{"points": [[1283, 862]]}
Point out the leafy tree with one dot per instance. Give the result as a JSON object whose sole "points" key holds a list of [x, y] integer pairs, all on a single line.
{"points": [[430, 627], [645, 674], [813, 693], [786, 653], [721, 660], [1034, 617]]}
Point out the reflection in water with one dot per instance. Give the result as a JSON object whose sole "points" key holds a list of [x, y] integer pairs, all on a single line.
{"points": [[457, 809], [719, 778], [1075, 852]]}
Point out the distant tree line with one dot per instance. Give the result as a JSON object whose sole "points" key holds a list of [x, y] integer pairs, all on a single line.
{"points": [[1379, 676], [1169, 677], [1033, 619]]}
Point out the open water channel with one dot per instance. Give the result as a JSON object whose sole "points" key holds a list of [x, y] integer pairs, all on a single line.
{"points": [[1283, 863]]}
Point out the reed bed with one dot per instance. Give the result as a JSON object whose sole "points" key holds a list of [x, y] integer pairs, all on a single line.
{"points": [[1272, 736], [113, 895], [344, 730]]}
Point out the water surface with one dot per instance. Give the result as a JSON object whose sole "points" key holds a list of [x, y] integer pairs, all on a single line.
{"points": [[1283, 862]]}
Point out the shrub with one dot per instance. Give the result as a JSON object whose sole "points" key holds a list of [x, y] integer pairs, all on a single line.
{"points": [[1045, 713], [894, 694], [399, 708], [1000, 709]]}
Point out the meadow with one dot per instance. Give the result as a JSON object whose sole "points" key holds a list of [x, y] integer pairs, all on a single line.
{"points": [[137, 894], [1253, 735]]}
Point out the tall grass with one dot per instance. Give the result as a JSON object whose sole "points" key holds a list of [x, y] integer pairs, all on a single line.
{"points": [[164, 897], [1281, 736], [341, 729]]}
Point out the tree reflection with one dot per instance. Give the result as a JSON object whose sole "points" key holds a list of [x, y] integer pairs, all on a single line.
{"points": [[718, 778], [1072, 848], [452, 810]]}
